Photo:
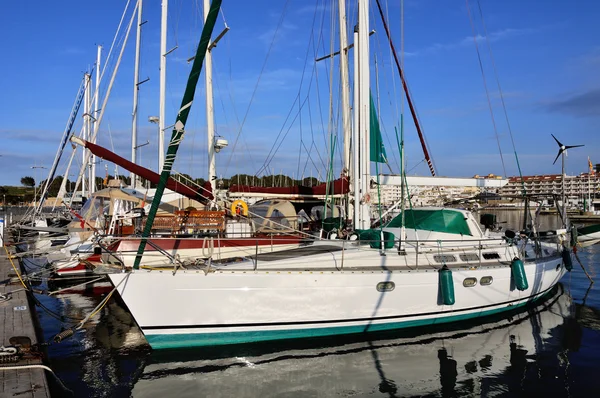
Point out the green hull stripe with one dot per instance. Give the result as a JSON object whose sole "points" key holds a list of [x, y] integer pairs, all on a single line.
{"points": [[166, 341]]}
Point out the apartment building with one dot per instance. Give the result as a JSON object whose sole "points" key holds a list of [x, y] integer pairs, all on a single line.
{"points": [[575, 186]]}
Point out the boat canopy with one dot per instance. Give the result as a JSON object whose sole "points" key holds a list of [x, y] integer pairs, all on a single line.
{"points": [[438, 220], [273, 216]]}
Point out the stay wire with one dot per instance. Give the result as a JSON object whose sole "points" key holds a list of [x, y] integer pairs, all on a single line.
{"points": [[264, 65], [487, 40], [487, 93]]}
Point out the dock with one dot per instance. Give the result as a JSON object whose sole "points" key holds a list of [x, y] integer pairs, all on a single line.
{"points": [[23, 375]]}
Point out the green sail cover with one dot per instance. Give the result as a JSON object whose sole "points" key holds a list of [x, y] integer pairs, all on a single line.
{"points": [[377, 149], [442, 220]]}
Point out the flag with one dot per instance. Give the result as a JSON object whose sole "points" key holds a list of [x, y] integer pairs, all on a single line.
{"points": [[590, 165], [377, 150]]}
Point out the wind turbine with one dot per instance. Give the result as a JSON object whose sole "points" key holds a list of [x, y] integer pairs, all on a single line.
{"points": [[562, 150]]}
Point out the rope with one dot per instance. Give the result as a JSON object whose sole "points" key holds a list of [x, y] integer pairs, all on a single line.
{"points": [[15, 268]]}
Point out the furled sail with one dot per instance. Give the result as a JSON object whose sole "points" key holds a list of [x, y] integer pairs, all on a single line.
{"points": [[202, 194]]}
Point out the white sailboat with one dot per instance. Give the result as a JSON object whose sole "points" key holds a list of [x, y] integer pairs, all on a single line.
{"points": [[429, 266]]}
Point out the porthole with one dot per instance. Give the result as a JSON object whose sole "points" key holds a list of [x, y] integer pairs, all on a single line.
{"points": [[470, 282], [490, 255], [469, 257], [386, 286], [486, 280], [444, 258]]}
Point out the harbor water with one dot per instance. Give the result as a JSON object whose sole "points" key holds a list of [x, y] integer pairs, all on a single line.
{"points": [[551, 349]]}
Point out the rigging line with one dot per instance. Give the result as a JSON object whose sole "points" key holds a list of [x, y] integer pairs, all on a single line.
{"points": [[270, 157], [414, 114], [381, 122], [272, 151], [330, 103], [231, 95], [264, 65], [306, 59], [313, 145], [500, 91], [487, 93], [275, 147], [113, 149], [320, 42]]}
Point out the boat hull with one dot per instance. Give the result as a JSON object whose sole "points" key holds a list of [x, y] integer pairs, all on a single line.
{"points": [[588, 235], [192, 308]]}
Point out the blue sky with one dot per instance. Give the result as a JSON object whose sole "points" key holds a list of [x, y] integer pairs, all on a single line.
{"points": [[272, 100]]}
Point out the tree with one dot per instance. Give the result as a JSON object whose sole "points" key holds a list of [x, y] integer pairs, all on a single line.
{"points": [[28, 181], [54, 186], [310, 182]]}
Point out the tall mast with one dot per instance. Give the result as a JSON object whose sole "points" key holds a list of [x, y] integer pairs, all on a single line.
{"points": [[136, 91], [88, 123], [86, 132], [96, 111], [354, 172], [210, 115], [345, 83], [163, 84], [364, 222]]}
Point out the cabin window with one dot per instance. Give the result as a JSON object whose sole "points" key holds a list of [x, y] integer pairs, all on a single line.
{"points": [[491, 255], [444, 258], [469, 257], [486, 280], [386, 286], [470, 282]]}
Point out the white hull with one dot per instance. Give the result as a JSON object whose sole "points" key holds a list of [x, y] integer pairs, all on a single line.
{"points": [[588, 239], [412, 365], [312, 296]]}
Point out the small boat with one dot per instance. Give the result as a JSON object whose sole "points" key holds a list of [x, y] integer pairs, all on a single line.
{"points": [[588, 235]]}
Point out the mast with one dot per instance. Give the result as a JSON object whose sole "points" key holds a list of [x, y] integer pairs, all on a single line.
{"points": [[210, 111], [345, 83], [163, 84], [95, 117], [63, 143], [179, 127], [363, 109], [86, 134], [136, 92], [86, 158], [354, 172]]}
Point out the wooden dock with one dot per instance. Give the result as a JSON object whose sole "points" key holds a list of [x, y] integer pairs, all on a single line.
{"points": [[19, 328]]}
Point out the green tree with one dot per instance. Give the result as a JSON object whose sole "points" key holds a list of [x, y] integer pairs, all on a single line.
{"points": [[54, 186], [310, 182], [28, 181]]}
